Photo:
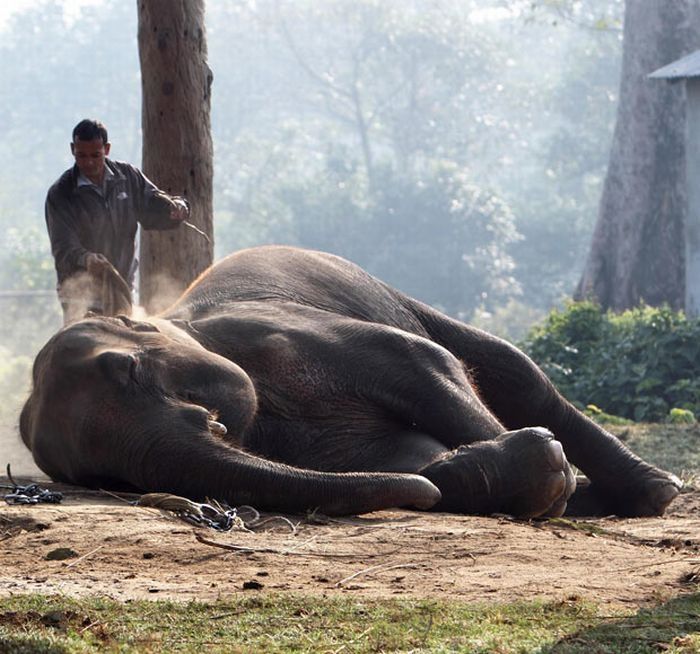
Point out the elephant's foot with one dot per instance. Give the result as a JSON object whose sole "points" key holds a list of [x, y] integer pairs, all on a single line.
{"points": [[523, 473], [644, 490]]}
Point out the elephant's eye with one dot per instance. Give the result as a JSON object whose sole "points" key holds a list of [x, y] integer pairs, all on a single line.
{"points": [[120, 366]]}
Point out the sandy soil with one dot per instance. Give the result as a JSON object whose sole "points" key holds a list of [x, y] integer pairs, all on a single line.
{"points": [[125, 552]]}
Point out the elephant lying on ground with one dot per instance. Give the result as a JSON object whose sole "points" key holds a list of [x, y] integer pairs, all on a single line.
{"points": [[292, 380]]}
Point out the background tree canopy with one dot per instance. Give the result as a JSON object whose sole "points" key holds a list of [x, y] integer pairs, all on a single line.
{"points": [[456, 149]]}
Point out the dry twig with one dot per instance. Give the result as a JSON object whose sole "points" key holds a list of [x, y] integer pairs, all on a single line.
{"points": [[375, 568], [270, 550], [84, 556]]}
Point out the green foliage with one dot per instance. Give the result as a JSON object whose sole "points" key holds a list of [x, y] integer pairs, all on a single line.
{"points": [[639, 364], [681, 417], [599, 416]]}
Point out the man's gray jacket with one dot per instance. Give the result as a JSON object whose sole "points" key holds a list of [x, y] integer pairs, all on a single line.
{"points": [[81, 220]]}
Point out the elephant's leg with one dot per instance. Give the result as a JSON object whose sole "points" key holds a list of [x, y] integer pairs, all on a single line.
{"points": [[520, 395], [522, 473], [481, 468], [410, 380], [415, 410]]}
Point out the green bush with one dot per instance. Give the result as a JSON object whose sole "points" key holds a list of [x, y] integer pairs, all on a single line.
{"points": [[639, 364]]}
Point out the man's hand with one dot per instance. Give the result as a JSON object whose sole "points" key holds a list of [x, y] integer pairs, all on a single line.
{"points": [[96, 263], [179, 210]]}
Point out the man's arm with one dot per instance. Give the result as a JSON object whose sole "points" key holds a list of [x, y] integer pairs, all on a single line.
{"points": [[158, 209], [69, 254]]}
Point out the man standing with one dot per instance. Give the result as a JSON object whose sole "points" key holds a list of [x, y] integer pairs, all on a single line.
{"points": [[92, 213]]}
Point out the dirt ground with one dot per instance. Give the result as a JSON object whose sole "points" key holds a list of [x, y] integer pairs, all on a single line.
{"points": [[127, 552]]}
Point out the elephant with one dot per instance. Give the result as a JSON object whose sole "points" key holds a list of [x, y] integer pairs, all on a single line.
{"points": [[293, 380]]}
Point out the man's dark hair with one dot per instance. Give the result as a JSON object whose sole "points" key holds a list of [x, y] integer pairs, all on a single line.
{"points": [[89, 130]]}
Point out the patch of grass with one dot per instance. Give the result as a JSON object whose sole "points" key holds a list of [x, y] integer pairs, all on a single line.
{"points": [[672, 627], [278, 623]]}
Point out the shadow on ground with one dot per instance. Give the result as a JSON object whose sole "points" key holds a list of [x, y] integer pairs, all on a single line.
{"points": [[674, 625]]}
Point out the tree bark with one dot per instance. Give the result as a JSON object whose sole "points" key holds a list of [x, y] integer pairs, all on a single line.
{"points": [[637, 251], [177, 147]]}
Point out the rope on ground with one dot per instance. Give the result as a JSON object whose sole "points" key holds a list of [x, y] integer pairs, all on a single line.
{"points": [[29, 494], [212, 514]]}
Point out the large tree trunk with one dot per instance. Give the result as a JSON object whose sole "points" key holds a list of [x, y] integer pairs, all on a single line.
{"points": [[177, 147], [637, 252]]}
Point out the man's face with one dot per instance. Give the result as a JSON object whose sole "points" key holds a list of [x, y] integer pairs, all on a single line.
{"points": [[90, 158]]}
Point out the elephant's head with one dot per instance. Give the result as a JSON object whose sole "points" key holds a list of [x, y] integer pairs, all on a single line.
{"points": [[124, 404]]}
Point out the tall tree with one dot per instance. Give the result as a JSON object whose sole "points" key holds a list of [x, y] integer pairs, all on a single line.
{"points": [[177, 147], [636, 252]]}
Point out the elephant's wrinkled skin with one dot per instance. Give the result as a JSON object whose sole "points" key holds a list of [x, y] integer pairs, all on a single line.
{"points": [[337, 392]]}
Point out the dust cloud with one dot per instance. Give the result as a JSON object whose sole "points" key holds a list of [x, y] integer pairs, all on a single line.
{"points": [[29, 320]]}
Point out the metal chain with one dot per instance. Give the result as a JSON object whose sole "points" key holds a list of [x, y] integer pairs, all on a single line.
{"points": [[29, 494]]}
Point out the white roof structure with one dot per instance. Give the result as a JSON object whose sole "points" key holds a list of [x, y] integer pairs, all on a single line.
{"points": [[688, 66]]}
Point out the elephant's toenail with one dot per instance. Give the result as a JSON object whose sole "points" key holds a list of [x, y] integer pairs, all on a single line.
{"points": [[555, 455]]}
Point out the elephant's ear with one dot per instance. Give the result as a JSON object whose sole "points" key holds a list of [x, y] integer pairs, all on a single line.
{"points": [[137, 325]]}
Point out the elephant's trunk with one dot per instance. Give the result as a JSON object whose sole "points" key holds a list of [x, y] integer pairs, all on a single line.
{"points": [[339, 493], [211, 468]]}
